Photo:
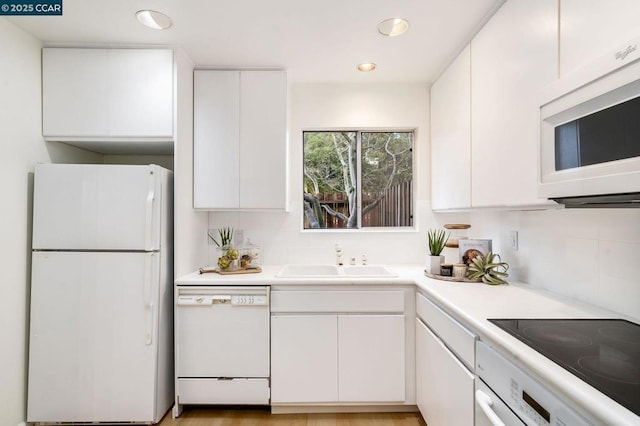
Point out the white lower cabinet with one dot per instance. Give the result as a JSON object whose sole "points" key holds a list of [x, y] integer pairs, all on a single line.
{"points": [[341, 347], [444, 385], [304, 358], [445, 352], [371, 358], [337, 358]]}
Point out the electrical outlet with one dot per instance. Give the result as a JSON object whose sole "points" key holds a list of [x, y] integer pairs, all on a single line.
{"points": [[513, 240]]}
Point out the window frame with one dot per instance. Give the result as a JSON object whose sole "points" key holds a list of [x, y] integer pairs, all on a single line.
{"points": [[359, 131]]}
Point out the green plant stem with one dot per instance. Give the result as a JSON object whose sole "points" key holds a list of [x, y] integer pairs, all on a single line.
{"points": [[437, 240]]}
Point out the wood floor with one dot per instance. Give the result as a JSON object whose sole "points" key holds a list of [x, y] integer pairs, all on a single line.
{"points": [[197, 416]]}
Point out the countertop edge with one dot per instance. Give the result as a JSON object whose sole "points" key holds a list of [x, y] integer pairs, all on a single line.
{"points": [[472, 304]]}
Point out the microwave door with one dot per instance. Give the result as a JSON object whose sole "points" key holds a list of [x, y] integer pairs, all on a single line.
{"points": [[589, 141]]}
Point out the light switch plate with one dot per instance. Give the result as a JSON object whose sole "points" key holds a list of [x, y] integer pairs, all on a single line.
{"points": [[513, 240]]}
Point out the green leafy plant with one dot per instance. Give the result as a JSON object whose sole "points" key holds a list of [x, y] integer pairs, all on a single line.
{"points": [[437, 239], [225, 235], [490, 269]]}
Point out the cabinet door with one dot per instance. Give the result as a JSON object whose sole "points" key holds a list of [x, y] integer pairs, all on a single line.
{"points": [[451, 136], [240, 140], [444, 387], [513, 57], [107, 94], [216, 136], [304, 358], [141, 92], [371, 358], [74, 92], [263, 113], [590, 30]]}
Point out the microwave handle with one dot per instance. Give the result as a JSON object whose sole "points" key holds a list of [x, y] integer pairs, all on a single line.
{"points": [[485, 403]]}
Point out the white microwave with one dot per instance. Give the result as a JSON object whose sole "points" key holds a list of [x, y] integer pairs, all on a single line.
{"points": [[590, 134]]}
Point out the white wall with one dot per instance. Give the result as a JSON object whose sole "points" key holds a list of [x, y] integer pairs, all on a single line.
{"points": [[586, 254], [21, 145], [190, 238], [335, 106]]}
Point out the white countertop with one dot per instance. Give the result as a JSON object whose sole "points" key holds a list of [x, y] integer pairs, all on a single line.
{"points": [[472, 304]]}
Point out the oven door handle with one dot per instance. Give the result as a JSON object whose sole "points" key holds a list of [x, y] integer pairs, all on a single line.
{"points": [[485, 403]]}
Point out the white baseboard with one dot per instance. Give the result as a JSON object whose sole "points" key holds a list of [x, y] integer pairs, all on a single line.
{"points": [[321, 408]]}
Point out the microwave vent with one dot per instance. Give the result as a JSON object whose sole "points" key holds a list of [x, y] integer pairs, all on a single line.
{"points": [[629, 200]]}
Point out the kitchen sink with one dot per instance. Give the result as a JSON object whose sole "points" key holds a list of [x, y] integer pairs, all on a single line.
{"points": [[302, 271], [367, 271], [331, 271]]}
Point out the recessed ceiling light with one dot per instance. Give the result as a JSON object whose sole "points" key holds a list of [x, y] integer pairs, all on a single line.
{"points": [[369, 66], [153, 19], [393, 27]]}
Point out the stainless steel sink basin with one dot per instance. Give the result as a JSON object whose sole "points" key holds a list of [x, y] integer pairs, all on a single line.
{"points": [[308, 271], [367, 271], [331, 271]]}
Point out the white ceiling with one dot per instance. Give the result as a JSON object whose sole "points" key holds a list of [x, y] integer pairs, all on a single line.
{"points": [[319, 41]]}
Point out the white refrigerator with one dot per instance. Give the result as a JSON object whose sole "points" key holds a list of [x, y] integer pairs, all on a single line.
{"points": [[101, 327]]}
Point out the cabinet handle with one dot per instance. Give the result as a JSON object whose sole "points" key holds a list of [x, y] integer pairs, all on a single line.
{"points": [[485, 403]]}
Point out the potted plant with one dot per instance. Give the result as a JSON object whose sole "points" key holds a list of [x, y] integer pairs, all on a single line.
{"points": [[490, 269], [227, 254], [437, 239]]}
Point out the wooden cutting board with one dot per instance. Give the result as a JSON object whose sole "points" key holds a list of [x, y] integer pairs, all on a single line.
{"points": [[255, 270]]}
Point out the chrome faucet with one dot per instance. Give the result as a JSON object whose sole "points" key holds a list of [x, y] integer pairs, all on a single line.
{"points": [[338, 255]]}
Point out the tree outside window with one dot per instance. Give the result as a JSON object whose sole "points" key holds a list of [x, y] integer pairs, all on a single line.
{"points": [[358, 179]]}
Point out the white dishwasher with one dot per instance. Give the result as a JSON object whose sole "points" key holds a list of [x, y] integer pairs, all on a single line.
{"points": [[222, 345]]}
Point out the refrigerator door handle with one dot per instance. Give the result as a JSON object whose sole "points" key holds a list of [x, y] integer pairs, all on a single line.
{"points": [[148, 337], [151, 196], [148, 301]]}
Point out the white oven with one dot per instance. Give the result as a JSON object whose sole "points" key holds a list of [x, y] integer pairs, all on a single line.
{"points": [[507, 396], [222, 345], [589, 150]]}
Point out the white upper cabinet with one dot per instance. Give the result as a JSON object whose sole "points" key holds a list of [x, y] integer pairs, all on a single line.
{"points": [[107, 95], [451, 136], [592, 29], [240, 130], [216, 135], [485, 111], [512, 59]]}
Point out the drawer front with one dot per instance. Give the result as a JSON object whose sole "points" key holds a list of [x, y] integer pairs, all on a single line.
{"points": [[214, 391], [337, 301], [455, 335]]}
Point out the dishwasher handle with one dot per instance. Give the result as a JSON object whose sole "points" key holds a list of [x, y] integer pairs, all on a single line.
{"points": [[485, 403]]}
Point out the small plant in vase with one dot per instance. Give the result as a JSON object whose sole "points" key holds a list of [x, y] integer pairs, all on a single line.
{"points": [[437, 240], [490, 269], [227, 253]]}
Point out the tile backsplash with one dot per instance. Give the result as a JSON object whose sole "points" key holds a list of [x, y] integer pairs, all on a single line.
{"points": [[587, 254]]}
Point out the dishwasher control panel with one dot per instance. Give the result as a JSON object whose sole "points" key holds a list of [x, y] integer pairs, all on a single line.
{"points": [[249, 299], [212, 296]]}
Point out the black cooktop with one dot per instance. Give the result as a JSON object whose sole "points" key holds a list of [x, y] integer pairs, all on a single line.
{"points": [[605, 353]]}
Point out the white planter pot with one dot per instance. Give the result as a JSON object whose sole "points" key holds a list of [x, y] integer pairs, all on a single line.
{"points": [[433, 264]]}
